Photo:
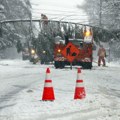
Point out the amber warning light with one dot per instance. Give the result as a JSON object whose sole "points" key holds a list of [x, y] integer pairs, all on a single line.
{"points": [[59, 50], [87, 33]]}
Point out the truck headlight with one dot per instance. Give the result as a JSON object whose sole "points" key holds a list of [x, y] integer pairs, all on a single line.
{"points": [[32, 51], [59, 50]]}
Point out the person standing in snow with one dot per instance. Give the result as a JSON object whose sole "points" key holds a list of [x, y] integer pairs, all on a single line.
{"points": [[101, 55]]}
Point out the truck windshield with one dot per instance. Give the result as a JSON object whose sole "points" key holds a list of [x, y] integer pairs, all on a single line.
{"points": [[77, 42]]}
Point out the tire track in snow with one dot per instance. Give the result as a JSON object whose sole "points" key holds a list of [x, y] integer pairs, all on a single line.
{"points": [[11, 94], [85, 114], [109, 91], [110, 95]]}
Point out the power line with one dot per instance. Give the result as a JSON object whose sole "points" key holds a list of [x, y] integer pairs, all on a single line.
{"points": [[57, 14], [56, 10], [60, 14], [50, 5], [66, 16], [59, 8]]}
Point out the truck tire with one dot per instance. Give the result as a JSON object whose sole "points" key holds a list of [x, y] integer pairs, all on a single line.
{"points": [[87, 65], [56, 64], [59, 64]]}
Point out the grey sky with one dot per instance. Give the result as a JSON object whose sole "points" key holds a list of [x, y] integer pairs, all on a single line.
{"points": [[59, 10]]}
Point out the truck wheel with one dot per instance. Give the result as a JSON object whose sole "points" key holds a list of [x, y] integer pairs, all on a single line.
{"points": [[56, 64], [87, 65], [62, 64], [59, 64]]}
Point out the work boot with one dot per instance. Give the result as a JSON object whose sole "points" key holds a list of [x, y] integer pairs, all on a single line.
{"points": [[104, 65]]}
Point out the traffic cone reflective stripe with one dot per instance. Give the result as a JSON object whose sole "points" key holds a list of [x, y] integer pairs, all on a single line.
{"points": [[79, 83], [48, 83], [48, 92], [79, 89], [47, 76]]}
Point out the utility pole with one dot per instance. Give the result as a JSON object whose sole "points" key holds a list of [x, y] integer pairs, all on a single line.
{"points": [[29, 39], [100, 14], [1, 12], [31, 30]]}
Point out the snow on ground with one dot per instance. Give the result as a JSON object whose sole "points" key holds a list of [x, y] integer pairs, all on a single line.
{"points": [[22, 86]]}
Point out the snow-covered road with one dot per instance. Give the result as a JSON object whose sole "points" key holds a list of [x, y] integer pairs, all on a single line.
{"points": [[22, 85]]}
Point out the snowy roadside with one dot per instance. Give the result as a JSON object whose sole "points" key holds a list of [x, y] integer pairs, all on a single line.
{"points": [[22, 86]]}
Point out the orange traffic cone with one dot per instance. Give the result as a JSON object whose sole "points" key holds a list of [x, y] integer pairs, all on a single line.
{"points": [[48, 92], [79, 90]]}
